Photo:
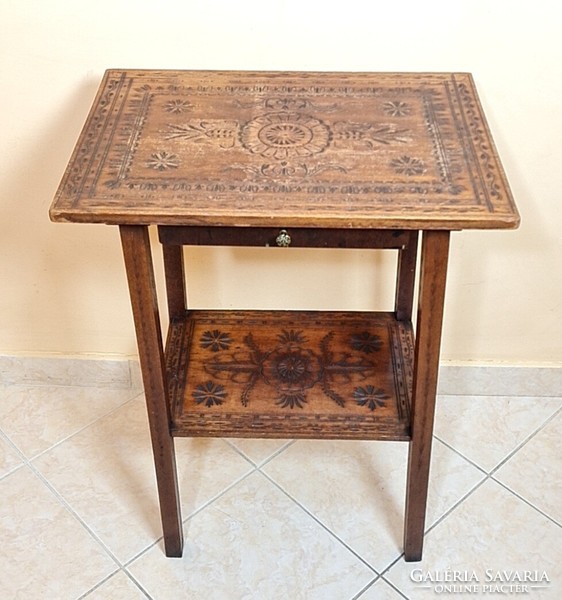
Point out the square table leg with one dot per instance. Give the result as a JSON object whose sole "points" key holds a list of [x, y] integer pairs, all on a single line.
{"points": [[175, 280], [433, 274], [406, 277], [140, 277]]}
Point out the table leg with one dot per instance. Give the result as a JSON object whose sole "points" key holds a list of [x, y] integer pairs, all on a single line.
{"points": [[140, 276], [405, 278], [175, 280], [435, 250]]}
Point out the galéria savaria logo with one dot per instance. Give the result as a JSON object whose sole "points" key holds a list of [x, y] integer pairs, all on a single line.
{"points": [[491, 581]]}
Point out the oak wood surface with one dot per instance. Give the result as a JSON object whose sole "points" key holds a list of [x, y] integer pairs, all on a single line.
{"points": [[406, 278], [140, 276], [433, 275], [272, 149], [174, 270]]}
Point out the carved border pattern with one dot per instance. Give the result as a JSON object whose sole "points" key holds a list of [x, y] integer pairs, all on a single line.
{"points": [[487, 166], [402, 359], [121, 100], [439, 148], [96, 126], [177, 355]]}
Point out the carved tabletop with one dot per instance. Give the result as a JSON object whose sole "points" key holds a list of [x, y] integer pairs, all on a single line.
{"points": [[344, 150]]}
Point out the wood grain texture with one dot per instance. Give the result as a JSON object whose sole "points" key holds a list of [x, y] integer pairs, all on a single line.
{"points": [[299, 374], [140, 276], [433, 274], [340, 150], [406, 278], [176, 292]]}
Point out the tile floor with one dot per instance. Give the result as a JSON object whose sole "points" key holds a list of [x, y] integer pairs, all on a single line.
{"points": [[272, 520]]}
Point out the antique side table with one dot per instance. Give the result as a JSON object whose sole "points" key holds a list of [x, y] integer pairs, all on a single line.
{"points": [[341, 160]]}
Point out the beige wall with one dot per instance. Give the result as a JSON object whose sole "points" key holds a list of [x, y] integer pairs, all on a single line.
{"points": [[62, 286]]}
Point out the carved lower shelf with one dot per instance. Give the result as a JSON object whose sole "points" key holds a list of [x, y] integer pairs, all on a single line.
{"points": [[290, 374]]}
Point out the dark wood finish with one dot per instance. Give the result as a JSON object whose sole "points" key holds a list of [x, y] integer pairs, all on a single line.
{"points": [[321, 150], [140, 276], [174, 270], [299, 238], [290, 374], [435, 251], [406, 278]]}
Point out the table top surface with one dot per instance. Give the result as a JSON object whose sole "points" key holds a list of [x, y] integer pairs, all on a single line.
{"points": [[342, 150]]}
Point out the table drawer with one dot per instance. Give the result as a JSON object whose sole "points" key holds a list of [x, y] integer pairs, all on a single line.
{"points": [[294, 237]]}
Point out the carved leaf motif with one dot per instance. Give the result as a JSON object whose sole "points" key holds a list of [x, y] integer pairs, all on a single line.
{"points": [[288, 336], [162, 161], [177, 106], [370, 397], [370, 135], [223, 132], [406, 165], [397, 108], [296, 400], [290, 367], [210, 394], [215, 340], [366, 342]]}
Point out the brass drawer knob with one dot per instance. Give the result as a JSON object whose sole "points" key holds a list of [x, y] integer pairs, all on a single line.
{"points": [[283, 239]]}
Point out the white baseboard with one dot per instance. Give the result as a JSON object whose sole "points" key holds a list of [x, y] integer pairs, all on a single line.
{"points": [[466, 379]]}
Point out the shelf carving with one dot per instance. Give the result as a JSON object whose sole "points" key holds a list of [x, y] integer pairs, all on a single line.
{"points": [[231, 373]]}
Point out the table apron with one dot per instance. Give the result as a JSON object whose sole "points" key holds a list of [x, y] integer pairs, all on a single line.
{"points": [[299, 237]]}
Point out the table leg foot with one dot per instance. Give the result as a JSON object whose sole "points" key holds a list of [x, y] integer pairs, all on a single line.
{"points": [[413, 556], [140, 276], [435, 251], [173, 546]]}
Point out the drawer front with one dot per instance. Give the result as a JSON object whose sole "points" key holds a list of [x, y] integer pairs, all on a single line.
{"points": [[293, 237]]}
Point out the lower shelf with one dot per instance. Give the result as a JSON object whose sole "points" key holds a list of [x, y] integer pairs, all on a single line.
{"points": [[290, 374]]}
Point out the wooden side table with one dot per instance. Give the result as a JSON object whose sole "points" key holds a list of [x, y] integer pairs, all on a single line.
{"points": [[356, 160]]}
